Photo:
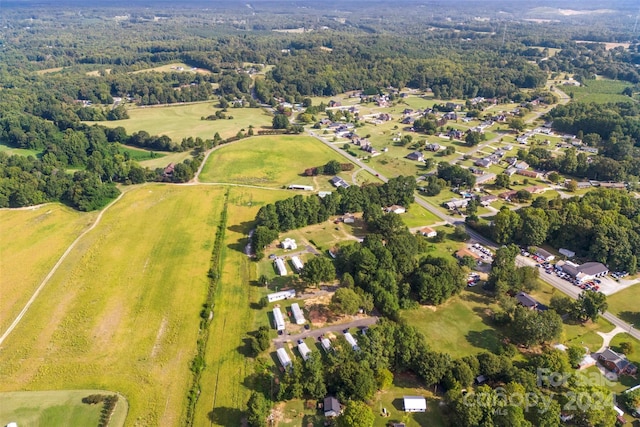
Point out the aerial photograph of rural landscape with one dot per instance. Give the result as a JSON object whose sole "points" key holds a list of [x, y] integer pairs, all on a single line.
{"points": [[296, 213]]}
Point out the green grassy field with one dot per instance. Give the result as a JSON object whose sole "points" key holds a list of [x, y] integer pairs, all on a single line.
{"points": [[57, 408], [165, 159], [267, 161], [4, 148], [624, 304], [225, 390], [460, 326], [417, 216], [139, 154], [122, 311], [32, 242], [172, 68], [600, 91], [181, 121]]}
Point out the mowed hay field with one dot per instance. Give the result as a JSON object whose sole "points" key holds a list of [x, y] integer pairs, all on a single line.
{"points": [[181, 121], [224, 390], [32, 242], [59, 408], [271, 161], [122, 312]]}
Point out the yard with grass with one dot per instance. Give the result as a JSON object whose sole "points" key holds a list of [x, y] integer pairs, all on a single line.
{"points": [[122, 311], [182, 121], [4, 148], [460, 326], [624, 304], [38, 236], [272, 161], [57, 408], [174, 67]]}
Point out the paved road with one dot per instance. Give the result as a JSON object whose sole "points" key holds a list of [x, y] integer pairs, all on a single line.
{"points": [[315, 333]]}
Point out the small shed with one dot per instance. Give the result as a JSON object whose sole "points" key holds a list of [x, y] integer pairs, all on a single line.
{"points": [[415, 404]]}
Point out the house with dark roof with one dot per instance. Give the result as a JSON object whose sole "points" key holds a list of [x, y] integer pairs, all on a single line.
{"points": [[339, 182], [483, 163], [617, 362], [416, 155], [331, 407], [545, 255], [526, 300], [487, 199]]}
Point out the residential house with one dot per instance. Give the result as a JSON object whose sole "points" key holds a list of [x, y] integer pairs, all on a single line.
{"points": [[416, 155], [507, 195], [456, 204], [339, 182], [278, 319], [526, 300], [289, 243], [428, 232], [281, 267], [450, 115], [432, 147], [283, 357], [511, 171], [535, 189], [487, 199], [522, 165], [476, 171], [617, 362], [297, 263], [483, 163], [331, 407], [304, 350], [528, 174], [168, 171], [466, 252], [396, 209]]}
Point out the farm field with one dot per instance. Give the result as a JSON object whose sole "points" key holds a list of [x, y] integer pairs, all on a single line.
{"points": [[173, 67], [624, 304], [163, 159], [460, 326], [33, 241], [140, 154], [600, 91], [268, 161], [60, 408], [181, 121], [225, 391], [117, 315]]}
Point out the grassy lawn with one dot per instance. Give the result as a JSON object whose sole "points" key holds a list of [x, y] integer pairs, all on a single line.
{"points": [[460, 326], [56, 408], [271, 161], [172, 68], [118, 315], [225, 391], [4, 148], [417, 216], [624, 304], [164, 159], [601, 91], [181, 121], [33, 241], [140, 154]]}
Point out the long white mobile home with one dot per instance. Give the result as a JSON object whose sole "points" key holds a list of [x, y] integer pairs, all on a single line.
{"points": [[351, 340], [304, 350], [282, 269], [278, 319], [283, 357], [278, 296], [298, 315], [297, 263]]}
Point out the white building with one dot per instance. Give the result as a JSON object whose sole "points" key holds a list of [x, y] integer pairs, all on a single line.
{"points": [[289, 244], [415, 404], [566, 252], [297, 263], [304, 350], [278, 319], [282, 269], [279, 296], [351, 340], [301, 187], [298, 315], [326, 344], [283, 357]]}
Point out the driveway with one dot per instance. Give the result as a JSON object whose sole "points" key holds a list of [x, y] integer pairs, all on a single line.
{"points": [[315, 333]]}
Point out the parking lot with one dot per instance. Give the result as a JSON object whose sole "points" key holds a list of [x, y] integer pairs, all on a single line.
{"points": [[485, 254]]}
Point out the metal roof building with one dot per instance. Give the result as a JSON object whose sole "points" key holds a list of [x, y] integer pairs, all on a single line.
{"points": [[298, 315], [283, 357], [278, 319], [297, 263], [304, 350], [351, 340], [282, 269]]}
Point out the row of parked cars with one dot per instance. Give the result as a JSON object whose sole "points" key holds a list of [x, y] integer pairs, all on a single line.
{"points": [[619, 274]]}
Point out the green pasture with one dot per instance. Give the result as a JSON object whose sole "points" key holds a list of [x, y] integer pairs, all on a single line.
{"points": [[172, 68], [139, 154], [57, 408], [271, 161], [624, 304], [184, 120], [4, 148], [225, 386], [122, 311], [599, 91], [164, 159], [417, 216], [460, 326], [33, 240]]}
